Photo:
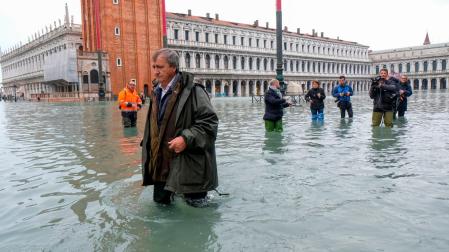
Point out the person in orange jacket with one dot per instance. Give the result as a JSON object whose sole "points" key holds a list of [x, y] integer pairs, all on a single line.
{"points": [[129, 104]]}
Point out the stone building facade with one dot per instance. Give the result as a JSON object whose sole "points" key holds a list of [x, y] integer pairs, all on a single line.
{"points": [[427, 66], [52, 67], [234, 59]]}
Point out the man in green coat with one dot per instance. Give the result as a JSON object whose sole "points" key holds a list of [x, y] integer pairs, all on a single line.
{"points": [[178, 146]]}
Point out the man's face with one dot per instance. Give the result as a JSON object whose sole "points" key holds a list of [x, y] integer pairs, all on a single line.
{"points": [[342, 81], [163, 71], [384, 74], [276, 84], [403, 79], [131, 85]]}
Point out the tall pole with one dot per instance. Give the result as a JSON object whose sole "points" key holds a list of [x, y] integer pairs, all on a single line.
{"points": [[164, 25], [279, 68], [101, 92]]}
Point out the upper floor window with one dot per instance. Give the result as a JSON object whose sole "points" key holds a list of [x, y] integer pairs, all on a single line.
{"points": [[216, 38], [242, 41], [434, 65], [207, 37], [233, 40], [115, 1], [186, 35], [443, 64], [225, 39], [176, 33], [272, 44], [197, 36], [257, 42], [117, 31], [119, 62], [250, 42], [264, 44]]}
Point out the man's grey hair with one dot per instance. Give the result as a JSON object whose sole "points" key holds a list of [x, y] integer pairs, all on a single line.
{"points": [[170, 55], [272, 81]]}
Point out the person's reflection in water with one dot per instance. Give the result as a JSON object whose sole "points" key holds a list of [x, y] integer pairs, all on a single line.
{"points": [[387, 151], [129, 143], [273, 142], [179, 228], [130, 132]]}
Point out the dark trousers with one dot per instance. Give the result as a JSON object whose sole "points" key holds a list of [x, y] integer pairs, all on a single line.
{"points": [[160, 195], [129, 118], [345, 106]]}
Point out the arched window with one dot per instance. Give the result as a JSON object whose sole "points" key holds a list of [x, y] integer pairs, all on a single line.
{"points": [[392, 68], [119, 62], [297, 66], [197, 60], [313, 67], [217, 62], [416, 66], [93, 76], [258, 64], [207, 61], [319, 67], [242, 61], [400, 67], [265, 64], [187, 60], [250, 63], [408, 67], [117, 31], [434, 65], [444, 65], [425, 66], [272, 64], [234, 62], [85, 78], [226, 62], [285, 65], [377, 69]]}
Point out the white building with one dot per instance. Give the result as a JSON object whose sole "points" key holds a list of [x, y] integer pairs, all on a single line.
{"points": [[426, 66], [234, 59], [52, 66]]}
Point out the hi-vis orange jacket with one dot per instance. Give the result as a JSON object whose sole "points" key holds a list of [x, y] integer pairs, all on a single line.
{"points": [[129, 101]]}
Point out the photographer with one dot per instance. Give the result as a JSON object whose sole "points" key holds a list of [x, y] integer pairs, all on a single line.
{"points": [[343, 93], [383, 91], [405, 90]]}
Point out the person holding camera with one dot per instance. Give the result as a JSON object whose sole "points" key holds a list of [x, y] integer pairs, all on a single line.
{"points": [[383, 91], [343, 93], [405, 90], [316, 97], [129, 104]]}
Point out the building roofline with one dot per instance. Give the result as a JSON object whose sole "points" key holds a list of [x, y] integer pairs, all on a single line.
{"points": [[213, 21], [401, 49]]}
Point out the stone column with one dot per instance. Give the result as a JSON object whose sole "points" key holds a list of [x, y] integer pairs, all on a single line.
{"points": [[247, 88], [439, 65], [438, 82], [231, 88], [203, 61], [222, 87], [212, 88], [239, 88], [420, 84]]}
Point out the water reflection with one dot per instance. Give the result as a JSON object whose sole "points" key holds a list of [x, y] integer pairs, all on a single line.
{"points": [[71, 181], [273, 142]]}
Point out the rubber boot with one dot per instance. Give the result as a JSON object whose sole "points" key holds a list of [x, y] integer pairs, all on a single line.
{"points": [[314, 117]]}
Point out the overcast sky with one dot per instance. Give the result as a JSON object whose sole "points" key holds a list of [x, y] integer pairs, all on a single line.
{"points": [[380, 24]]}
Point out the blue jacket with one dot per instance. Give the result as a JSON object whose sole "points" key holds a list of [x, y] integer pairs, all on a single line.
{"points": [[342, 89], [274, 105]]}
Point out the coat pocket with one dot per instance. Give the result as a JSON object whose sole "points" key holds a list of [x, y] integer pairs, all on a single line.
{"points": [[192, 169]]}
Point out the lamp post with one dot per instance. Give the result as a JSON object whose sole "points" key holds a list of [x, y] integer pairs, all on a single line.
{"points": [[15, 93], [280, 62]]}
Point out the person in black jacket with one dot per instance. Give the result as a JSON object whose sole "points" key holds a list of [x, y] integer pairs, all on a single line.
{"points": [[316, 97], [405, 90], [383, 91], [274, 105]]}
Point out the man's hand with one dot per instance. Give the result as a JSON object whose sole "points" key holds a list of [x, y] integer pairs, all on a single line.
{"points": [[177, 144], [348, 94], [401, 91]]}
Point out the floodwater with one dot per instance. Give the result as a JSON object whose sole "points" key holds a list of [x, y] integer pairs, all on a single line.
{"points": [[70, 181]]}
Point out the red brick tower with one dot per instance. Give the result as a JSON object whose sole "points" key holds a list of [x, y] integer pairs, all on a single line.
{"points": [[129, 31]]}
